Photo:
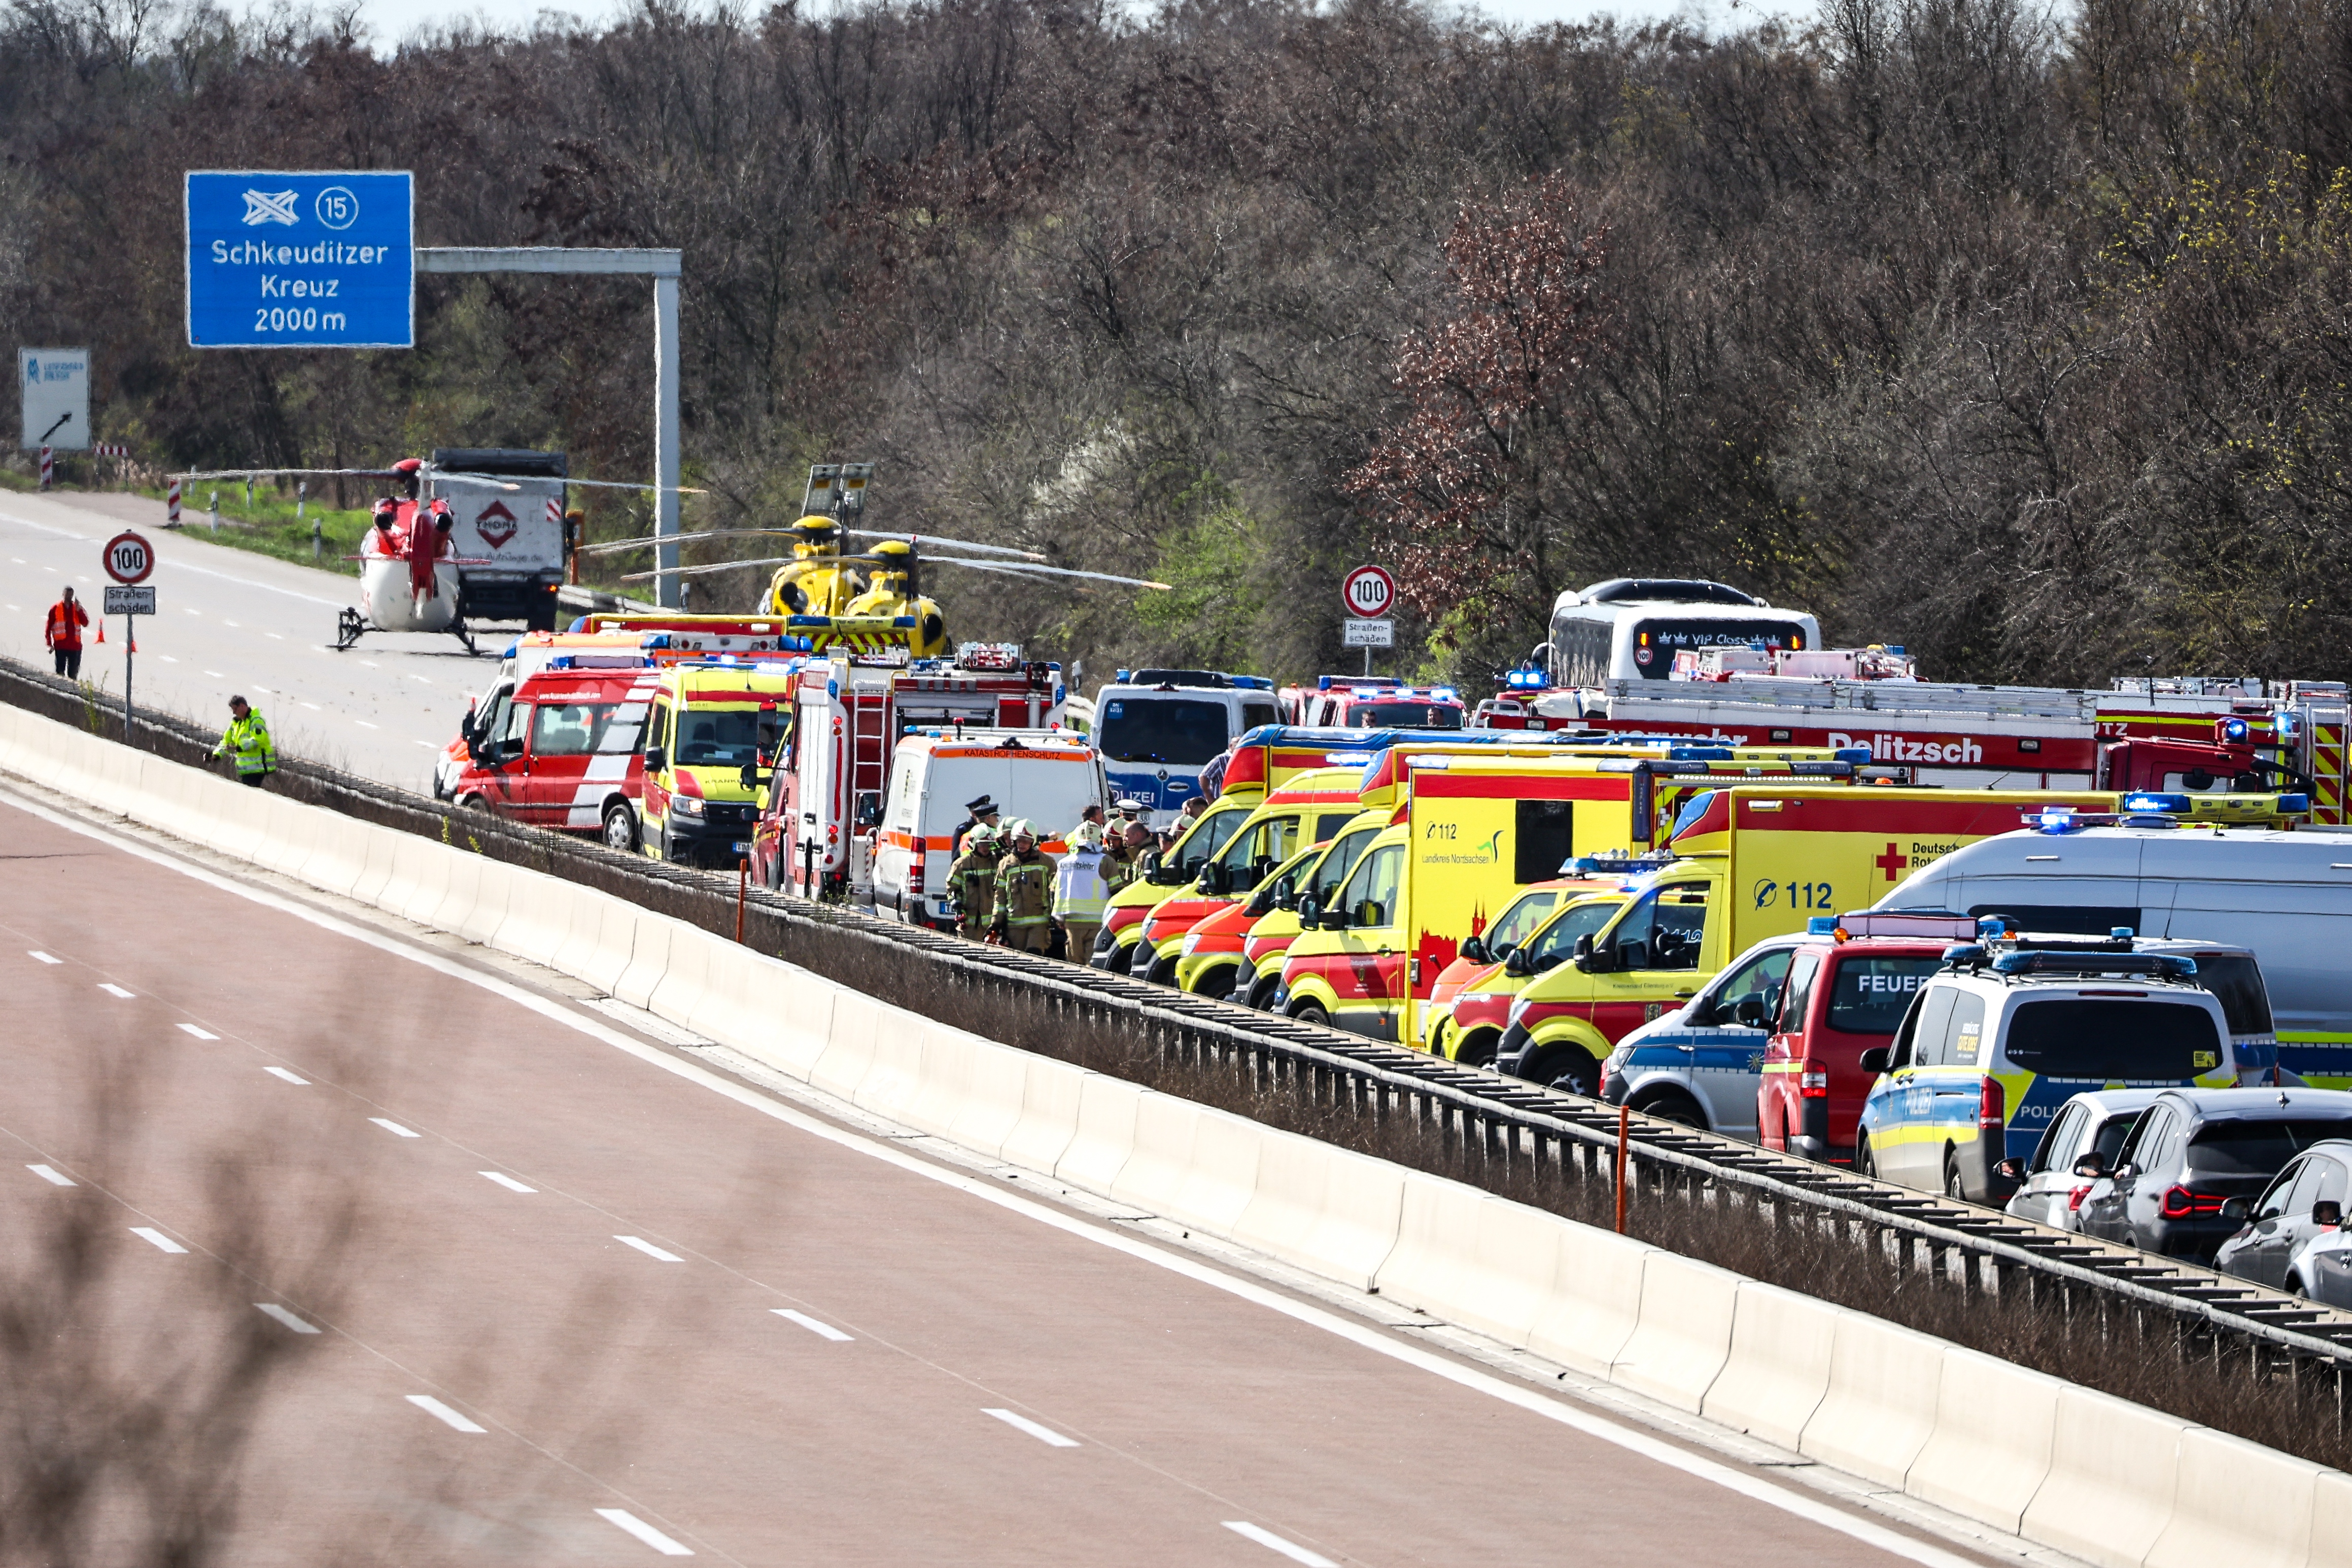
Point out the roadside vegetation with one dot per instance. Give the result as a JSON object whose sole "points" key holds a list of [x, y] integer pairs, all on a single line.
{"points": [[2014, 334]]}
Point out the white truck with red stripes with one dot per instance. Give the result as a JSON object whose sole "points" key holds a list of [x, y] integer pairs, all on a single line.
{"points": [[2174, 737]]}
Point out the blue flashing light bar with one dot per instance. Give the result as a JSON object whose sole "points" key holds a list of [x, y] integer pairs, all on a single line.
{"points": [[1821, 926], [2147, 802]]}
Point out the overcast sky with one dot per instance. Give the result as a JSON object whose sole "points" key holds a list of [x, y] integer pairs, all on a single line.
{"points": [[393, 20]]}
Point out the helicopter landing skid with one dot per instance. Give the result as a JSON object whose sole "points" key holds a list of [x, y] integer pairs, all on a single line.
{"points": [[458, 630], [348, 627]]}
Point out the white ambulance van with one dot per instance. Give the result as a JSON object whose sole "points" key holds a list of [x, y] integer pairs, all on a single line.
{"points": [[1046, 776]]}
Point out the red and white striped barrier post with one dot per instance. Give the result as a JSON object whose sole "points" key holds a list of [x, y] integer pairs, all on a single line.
{"points": [[171, 505], [48, 467]]}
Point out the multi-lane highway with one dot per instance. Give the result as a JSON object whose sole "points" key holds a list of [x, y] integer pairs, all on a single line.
{"points": [[581, 1299], [231, 620]]}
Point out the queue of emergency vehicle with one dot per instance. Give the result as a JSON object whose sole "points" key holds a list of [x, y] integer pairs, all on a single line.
{"points": [[1674, 861]]}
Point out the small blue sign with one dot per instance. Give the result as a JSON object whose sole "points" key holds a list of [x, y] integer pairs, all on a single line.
{"points": [[311, 260]]}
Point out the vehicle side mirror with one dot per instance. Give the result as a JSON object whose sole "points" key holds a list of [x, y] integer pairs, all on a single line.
{"points": [[1877, 1059], [2093, 1165], [1517, 964], [1588, 957], [1301, 904], [1751, 1012], [869, 807], [481, 757], [749, 777], [2327, 1211], [656, 758], [2240, 1210], [1333, 920], [1475, 949]]}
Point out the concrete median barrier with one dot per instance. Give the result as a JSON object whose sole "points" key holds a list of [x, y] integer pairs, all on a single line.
{"points": [[2239, 1503], [493, 887], [1102, 1135], [1326, 1210], [1880, 1405], [375, 870], [2114, 1472], [1051, 1094], [1778, 1367], [995, 1090], [684, 969], [1682, 1336], [849, 1045], [648, 961], [1988, 1452], [892, 1084], [1595, 1302], [1436, 1219], [1219, 1181], [1159, 1153], [2331, 1520]]}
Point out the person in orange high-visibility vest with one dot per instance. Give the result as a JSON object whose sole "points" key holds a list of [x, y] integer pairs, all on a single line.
{"points": [[63, 634]]}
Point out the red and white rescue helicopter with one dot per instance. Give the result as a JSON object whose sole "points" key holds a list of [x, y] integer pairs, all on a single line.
{"points": [[408, 574]]}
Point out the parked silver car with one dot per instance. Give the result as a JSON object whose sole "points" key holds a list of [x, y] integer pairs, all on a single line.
{"points": [[2295, 1237], [2077, 1149]]}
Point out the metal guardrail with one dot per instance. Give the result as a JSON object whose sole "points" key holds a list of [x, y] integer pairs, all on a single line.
{"points": [[1498, 1133]]}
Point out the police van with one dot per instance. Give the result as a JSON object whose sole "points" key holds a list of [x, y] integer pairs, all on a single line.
{"points": [[2004, 1035], [1157, 730]]}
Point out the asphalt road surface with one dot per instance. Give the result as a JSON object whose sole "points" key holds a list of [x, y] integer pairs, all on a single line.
{"points": [[582, 1299], [230, 620]]}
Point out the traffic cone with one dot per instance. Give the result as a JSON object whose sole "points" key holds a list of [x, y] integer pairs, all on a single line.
{"points": [[102, 631]]}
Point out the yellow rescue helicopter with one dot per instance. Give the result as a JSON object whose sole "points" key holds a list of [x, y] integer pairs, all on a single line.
{"points": [[882, 584]]}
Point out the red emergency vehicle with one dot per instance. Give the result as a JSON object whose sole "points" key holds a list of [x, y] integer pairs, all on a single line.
{"points": [[1844, 994], [1370, 702], [823, 804], [559, 749]]}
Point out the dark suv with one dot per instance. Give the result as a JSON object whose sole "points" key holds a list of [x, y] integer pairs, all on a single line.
{"points": [[2192, 1152]]}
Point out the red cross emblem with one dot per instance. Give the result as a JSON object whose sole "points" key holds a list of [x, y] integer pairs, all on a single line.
{"points": [[1891, 863]]}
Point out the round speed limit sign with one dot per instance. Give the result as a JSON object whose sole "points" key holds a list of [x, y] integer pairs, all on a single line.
{"points": [[129, 558], [1369, 590]]}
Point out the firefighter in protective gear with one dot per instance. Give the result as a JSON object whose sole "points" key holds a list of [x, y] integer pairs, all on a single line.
{"points": [[1135, 843], [1080, 890], [246, 739], [1025, 892], [971, 884], [63, 634]]}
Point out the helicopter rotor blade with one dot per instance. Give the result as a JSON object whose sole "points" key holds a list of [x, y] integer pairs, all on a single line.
{"points": [[646, 542], [495, 481], [1011, 568], [918, 540], [1039, 573]]}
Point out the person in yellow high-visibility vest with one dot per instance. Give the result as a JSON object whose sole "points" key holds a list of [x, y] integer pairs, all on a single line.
{"points": [[246, 739]]}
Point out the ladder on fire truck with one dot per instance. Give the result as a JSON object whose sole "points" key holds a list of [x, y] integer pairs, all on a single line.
{"points": [[2325, 712]]}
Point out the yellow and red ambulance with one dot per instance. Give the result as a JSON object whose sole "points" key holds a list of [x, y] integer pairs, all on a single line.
{"points": [[1310, 808], [1468, 832], [1752, 861]]}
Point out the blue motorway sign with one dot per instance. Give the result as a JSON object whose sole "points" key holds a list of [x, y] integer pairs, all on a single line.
{"points": [[301, 260]]}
